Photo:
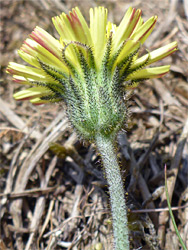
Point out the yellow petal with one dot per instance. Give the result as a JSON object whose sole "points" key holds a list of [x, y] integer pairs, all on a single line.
{"points": [[29, 59], [21, 80], [142, 33], [156, 55], [73, 27], [30, 93], [38, 52], [85, 28], [127, 26], [98, 25], [155, 72], [129, 47], [47, 41], [26, 71]]}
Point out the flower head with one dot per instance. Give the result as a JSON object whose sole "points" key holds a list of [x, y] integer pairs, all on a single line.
{"points": [[90, 68]]}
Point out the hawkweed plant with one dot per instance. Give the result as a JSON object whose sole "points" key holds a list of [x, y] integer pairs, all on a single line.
{"points": [[91, 69]]}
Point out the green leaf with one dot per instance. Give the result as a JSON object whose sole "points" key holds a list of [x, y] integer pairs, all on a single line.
{"points": [[171, 214]]}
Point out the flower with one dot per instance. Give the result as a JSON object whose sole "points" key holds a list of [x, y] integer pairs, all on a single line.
{"points": [[89, 68]]}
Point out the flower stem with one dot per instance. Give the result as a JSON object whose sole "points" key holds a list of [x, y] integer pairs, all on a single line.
{"points": [[116, 191]]}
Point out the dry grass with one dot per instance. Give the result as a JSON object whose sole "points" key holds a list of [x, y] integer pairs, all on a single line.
{"points": [[53, 193]]}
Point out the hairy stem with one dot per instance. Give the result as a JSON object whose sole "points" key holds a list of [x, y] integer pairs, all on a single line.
{"points": [[116, 191]]}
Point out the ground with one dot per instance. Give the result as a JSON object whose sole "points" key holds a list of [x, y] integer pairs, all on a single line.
{"points": [[53, 193]]}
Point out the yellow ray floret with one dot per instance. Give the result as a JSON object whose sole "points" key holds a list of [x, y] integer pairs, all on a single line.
{"points": [[86, 54]]}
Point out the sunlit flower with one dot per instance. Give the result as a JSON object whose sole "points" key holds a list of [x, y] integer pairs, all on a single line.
{"points": [[89, 68]]}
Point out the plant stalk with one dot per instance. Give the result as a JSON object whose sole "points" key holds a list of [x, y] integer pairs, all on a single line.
{"points": [[106, 148]]}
